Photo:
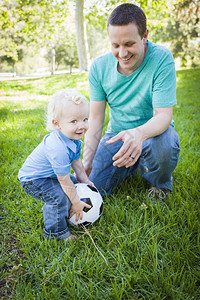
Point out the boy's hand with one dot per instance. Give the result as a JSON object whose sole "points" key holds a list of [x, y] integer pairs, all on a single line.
{"points": [[80, 173], [77, 208], [89, 183]]}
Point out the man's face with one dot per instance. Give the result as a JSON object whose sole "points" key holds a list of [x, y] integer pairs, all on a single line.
{"points": [[127, 46]]}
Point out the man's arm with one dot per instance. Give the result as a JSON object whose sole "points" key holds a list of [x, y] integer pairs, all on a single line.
{"points": [[134, 138], [93, 135]]}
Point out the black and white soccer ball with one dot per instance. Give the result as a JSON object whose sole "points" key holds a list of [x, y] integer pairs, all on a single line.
{"points": [[91, 196]]}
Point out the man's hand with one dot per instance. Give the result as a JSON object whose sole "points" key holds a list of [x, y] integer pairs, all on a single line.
{"points": [[129, 153], [77, 208], [133, 139]]}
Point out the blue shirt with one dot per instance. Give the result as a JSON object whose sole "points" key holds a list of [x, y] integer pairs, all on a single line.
{"points": [[131, 99], [52, 157]]}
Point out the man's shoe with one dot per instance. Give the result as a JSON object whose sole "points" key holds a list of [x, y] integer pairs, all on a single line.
{"points": [[158, 193]]}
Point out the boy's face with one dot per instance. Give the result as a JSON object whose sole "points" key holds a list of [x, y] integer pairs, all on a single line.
{"points": [[74, 120], [127, 46]]}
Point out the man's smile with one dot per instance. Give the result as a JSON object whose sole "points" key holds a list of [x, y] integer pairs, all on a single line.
{"points": [[126, 59]]}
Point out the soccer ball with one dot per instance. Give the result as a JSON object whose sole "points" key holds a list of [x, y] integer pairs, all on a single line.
{"points": [[91, 196]]}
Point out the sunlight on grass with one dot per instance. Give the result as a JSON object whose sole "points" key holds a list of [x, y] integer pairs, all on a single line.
{"points": [[151, 249]]}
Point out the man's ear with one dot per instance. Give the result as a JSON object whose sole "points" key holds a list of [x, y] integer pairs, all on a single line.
{"points": [[145, 36], [56, 124]]}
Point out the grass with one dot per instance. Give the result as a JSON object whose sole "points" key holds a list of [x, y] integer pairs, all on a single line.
{"points": [[146, 251]]}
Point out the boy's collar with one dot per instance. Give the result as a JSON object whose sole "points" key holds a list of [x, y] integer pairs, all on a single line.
{"points": [[70, 143]]}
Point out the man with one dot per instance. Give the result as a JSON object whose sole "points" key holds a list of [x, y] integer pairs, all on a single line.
{"points": [[138, 81]]}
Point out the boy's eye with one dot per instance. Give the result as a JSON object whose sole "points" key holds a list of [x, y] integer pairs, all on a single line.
{"points": [[85, 120], [73, 121]]}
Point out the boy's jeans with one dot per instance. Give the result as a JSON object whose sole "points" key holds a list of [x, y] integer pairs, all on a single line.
{"points": [[57, 205], [158, 160]]}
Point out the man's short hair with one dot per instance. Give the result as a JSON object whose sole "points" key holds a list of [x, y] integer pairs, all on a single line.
{"points": [[128, 13]]}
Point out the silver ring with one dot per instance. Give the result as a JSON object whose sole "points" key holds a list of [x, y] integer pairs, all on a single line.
{"points": [[133, 157]]}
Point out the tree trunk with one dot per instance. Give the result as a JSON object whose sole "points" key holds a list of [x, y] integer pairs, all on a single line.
{"points": [[94, 42], [81, 36], [53, 65], [13, 68]]}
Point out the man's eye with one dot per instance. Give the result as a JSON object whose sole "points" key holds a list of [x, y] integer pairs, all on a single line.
{"points": [[129, 44]]}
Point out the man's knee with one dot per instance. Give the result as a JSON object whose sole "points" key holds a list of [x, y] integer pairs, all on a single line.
{"points": [[163, 148]]}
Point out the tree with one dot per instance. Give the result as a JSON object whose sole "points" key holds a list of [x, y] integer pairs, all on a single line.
{"points": [[81, 36], [10, 61], [98, 11], [28, 21], [183, 30], [65, 51], [67, 54]]}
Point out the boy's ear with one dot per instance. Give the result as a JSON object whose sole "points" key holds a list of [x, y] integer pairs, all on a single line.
{"points": [[56, 124]]}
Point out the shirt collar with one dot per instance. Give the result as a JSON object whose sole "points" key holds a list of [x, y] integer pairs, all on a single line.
{"points": [[70, 144]]}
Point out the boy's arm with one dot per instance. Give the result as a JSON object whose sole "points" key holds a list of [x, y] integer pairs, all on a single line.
{"points": [[81, 175], [69, 189]]}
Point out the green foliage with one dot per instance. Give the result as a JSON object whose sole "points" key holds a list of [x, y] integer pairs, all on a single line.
{"points": [[66, 51], [29, 21], [11, 61], [98, 11], [147, 249], [183, 31]]}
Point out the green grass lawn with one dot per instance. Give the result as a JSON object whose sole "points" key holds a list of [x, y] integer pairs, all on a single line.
{"points": [[144, 252]]}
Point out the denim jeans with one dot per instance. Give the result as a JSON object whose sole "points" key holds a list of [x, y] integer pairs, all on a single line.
{"points": [[56, 207], [157, 162]]}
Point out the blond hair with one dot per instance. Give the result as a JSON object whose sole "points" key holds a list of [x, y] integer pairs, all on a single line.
{"points": [[58, 100]]}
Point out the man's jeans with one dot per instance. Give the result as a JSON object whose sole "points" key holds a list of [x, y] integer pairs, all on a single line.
{"points": [[56, 207], [158, 160]]}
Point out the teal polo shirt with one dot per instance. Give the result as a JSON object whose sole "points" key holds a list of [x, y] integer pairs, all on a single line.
{"points": [[131, 99]]}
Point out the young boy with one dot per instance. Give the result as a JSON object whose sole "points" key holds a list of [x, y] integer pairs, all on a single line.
{"points": [[45, 175]]}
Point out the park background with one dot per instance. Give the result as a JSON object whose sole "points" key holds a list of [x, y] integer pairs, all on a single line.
{"points": [[140, 248], [55, 35]]}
